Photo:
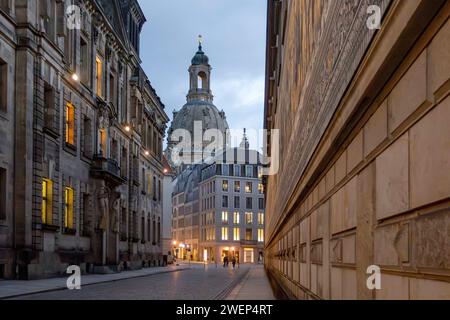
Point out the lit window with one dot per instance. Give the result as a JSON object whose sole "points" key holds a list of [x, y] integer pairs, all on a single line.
{"points": [[261, 219], [248, 217], [68, 208], [224, 234], [70, 124], [103, 142], [99, 76], [236, 218], [149, 184], [260, 188], [236, 234], [47, 201], [224, 217], [225, 185], [261, 235], [248, 187], [237, 186]]}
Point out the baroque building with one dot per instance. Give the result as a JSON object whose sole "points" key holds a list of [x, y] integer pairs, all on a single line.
{"points": [[197, 116], [364, 145], [81, 156]]}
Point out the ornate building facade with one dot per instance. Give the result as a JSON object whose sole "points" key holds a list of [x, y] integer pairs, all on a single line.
{"points": [[195, 118], [81, 155], [364, 148]]}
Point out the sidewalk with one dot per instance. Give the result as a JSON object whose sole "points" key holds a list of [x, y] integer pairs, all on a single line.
{"points": [[16, 288], [255, 286]]}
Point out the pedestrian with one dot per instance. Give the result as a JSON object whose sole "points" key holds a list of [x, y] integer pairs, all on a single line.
{"points": [[228, 261], [233, 261], [225, 258]]}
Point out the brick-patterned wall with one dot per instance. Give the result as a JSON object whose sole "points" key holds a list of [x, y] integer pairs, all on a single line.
{"points": [[384, 198]]}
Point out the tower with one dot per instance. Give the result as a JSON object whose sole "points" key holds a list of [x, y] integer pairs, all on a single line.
{"points": [[200, 77], [199, 109]]}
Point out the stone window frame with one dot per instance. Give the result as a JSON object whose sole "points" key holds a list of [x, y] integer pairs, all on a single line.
{"points": [[3, 86]]}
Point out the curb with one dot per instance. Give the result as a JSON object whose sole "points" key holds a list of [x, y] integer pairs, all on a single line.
{"points": [[89, 284]]}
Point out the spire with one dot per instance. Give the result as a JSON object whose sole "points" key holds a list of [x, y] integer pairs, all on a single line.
{"points": [[200, 40], [245, 144]]}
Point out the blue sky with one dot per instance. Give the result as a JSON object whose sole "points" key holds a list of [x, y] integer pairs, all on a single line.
{"points": [[233, 33]]}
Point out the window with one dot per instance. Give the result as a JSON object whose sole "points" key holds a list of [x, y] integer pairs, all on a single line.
{"points": [[143, 228], [224, 233], [260, 235], [248, 187], [261, 203], [261, 218], [112, 89], [103, 143], [123, 162], [3, 86], [236, 234], [99, 76], [249, 217], [225, 185], [87, 137], [237, 202], [225, 201], [149, 183], [248, 203], [249, 171], [154, 231], [236, 218], [84, 62], [158, 236], [237, 186], [68, 208], [49, 106], [47, 202], [148, 230], [225, 217], [260, 188], [85, 215], [237, 170], [248, 234], [225, 170], [70, 124], [2, 194]]}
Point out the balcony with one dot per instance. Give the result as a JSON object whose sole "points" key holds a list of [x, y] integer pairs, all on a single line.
{"points": [[249, 242], [106, 169]]}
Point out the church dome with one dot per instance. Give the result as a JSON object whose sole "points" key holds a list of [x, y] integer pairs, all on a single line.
{"points": [[204, 112], [200, 58]]}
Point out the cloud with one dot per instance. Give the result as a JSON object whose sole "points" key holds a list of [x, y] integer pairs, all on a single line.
{"points": [[234, 40]]}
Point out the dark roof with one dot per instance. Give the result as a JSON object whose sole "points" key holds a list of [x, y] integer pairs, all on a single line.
{"points": [[200, 57]]}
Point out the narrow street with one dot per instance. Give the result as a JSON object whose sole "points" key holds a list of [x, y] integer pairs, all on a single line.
{"points": [[196, 283]]}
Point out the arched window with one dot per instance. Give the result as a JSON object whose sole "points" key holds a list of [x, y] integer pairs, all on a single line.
{"points": [[202, 80]]}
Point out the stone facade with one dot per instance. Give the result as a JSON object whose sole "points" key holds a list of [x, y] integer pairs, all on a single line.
{"points": [[81, 154], [364, 142]]}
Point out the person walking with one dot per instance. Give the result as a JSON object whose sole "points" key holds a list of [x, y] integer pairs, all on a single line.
{"points": [[225, 261], [233, 262]]}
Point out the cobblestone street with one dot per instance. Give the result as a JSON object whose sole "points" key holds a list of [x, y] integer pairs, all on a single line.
{"points": [[191, 284]]}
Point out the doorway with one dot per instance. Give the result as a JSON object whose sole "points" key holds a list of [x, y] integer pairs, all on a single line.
{"points": [[249, 256]]}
